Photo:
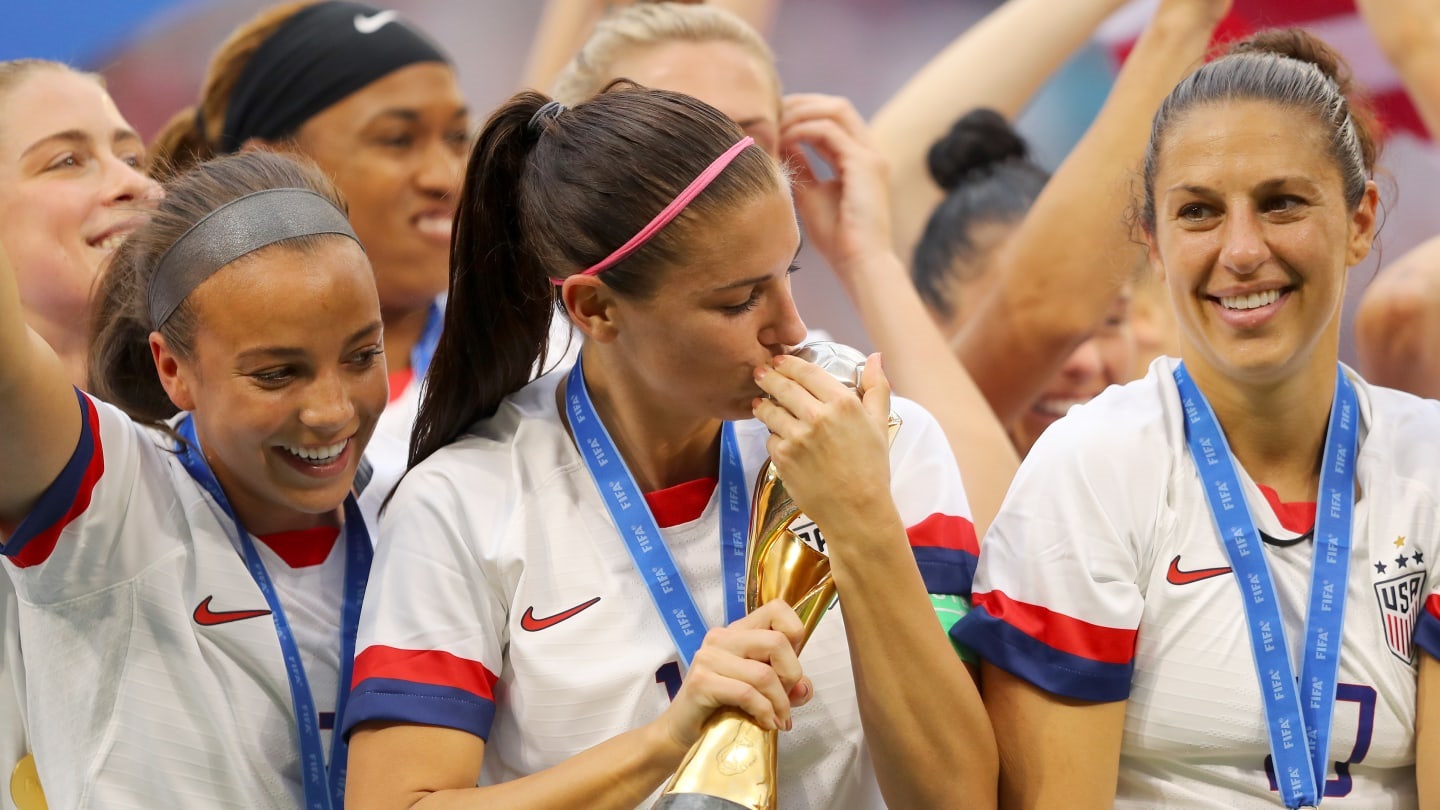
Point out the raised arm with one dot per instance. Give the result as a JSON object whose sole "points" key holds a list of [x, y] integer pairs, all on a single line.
{"points": [[847, 219], [565, 25], [1064, 265], [38, 409], [1397, 327], [930, 745], [1409, 33], [1000, 62]]}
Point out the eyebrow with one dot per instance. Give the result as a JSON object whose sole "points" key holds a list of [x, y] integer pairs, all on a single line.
{"points": [[746, 123], [292, 352], [410, 115], [76, 136], [750, 282], [1264, 185]]}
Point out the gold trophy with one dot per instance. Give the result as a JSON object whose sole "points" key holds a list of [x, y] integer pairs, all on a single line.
{"points": [[733, 765], [25, 789]]}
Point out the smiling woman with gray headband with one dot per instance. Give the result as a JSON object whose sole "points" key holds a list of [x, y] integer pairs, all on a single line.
{"points": [[236, 378], [377, 106]]}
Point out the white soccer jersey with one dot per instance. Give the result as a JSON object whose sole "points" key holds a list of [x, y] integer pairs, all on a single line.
{"points": [[398, 420], [1104, 578], [504, 603], [13, 742], [155, 676]]}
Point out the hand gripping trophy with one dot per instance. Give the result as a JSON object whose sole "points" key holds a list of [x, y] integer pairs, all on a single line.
{"points": [[734, 763]]}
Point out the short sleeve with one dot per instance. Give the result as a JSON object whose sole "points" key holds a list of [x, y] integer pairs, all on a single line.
{"points": [[1055, 599], [109, 513], [1427, 632], [930, 497], [432, 628]]}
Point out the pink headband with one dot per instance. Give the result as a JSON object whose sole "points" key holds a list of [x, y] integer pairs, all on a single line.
{"points": [[671, 211]]}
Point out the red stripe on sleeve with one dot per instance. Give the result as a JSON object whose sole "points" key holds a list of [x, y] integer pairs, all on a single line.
{"points": [[42, 545], [1432, 605], [1108, 645], [945, 531], [432, 667]]}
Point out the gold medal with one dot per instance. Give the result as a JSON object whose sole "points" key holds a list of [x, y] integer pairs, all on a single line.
{"points": [[25, 786]]}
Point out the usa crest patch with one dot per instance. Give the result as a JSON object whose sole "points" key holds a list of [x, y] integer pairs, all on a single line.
{"points": [[1400, 599]]}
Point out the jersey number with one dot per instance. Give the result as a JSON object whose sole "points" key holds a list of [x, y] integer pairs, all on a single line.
{"points": [[669, 675], [1340, 786]]}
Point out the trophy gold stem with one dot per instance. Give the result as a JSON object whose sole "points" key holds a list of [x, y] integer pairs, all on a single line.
{"points": [[733, 765]]}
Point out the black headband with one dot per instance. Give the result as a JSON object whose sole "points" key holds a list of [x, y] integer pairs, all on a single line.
{"points": [[319, 56], [238, 228]]}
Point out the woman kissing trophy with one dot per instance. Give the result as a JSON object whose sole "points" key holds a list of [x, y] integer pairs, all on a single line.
{"points": [[733, 766]]}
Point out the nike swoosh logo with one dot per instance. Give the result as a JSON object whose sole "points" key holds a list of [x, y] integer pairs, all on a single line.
{"points": [[1177, 577], [206, 617], [374, 22], [529, 622]]}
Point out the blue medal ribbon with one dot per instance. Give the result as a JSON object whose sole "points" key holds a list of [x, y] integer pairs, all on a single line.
{"points": [[1298, 715], [424, 349], [637, 526], [324, 787]]}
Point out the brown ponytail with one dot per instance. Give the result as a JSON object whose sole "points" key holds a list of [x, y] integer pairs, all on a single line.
{"points": [[189, 138], [547, 196]]}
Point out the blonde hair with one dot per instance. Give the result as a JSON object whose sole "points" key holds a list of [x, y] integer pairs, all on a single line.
{"points": [[645, 25]]}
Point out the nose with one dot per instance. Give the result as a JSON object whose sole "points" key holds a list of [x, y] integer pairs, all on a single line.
{"points": [[125, 183], [1085, 363], [328, 406], [440, 169], [785, 328], [1244, 249]]}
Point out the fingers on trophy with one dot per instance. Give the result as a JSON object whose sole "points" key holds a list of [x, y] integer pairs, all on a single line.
{"points": [[734, 764]]}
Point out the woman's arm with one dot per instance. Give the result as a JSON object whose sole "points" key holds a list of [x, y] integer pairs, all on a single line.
{"points": [[1062, 268], [1000, 62], [1054, 752], [1427, 730], [1397, 327], [1409, 33], [848, 221], [38, 409], [750, 664], [931, 744]]}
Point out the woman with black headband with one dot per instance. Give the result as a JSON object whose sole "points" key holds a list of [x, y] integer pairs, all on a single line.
{"points": [[189, 539], [377, 106]]}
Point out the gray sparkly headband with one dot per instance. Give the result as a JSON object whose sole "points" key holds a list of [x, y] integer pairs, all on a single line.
{"points": [[237, 228]]}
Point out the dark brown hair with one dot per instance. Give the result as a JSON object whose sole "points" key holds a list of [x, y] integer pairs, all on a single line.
{"points": [[189, 138], [121, 370], [1290, 68], [549, 197]]}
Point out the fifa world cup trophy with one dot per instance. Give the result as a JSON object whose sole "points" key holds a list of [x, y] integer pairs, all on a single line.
{"points": [[733, 765]]}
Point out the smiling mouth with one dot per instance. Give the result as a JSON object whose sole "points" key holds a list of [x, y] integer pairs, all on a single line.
{"points": [[1056, 407], [1241, 303], [110, 242], [317, 456], [435, 226]]}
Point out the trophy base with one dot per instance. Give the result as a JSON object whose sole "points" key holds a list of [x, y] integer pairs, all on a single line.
{"points": [[695, 801]]}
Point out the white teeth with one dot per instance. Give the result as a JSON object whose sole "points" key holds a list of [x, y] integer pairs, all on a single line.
{"points": [[1251, 301], [435, 226], [111, 242], [318, 455], [1057, 406]]}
